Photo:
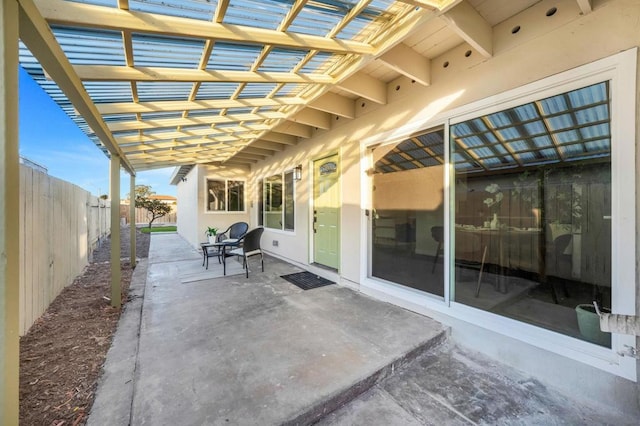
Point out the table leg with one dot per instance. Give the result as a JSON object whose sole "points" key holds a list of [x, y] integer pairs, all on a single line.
{"points": [[224, 260]]}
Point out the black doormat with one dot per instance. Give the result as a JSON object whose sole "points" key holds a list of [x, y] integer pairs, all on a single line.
{"points": [[306, 280]]}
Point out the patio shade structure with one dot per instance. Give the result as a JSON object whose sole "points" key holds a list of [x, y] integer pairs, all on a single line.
{"points": [[185, 82], [176, 83]]}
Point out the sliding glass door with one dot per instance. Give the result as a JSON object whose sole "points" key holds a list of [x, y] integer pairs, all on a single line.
{"points": [[407, 217]]}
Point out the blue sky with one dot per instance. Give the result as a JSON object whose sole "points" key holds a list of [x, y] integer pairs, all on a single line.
{"points": [[51, 139]]}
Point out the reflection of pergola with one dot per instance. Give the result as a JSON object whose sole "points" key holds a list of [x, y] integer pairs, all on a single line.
{"points": [[158, 84]]}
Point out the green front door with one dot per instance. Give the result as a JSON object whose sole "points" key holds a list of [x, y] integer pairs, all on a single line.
{"points": [[326, 211]]}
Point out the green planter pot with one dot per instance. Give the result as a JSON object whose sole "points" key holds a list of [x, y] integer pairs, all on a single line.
{"points": [[589, 325]]}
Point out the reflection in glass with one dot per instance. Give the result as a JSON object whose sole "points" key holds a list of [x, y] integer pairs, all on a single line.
{"points": [[408, 212], [289, 212], [215, 195], [273, 202], [236, 196], [532, 203]]}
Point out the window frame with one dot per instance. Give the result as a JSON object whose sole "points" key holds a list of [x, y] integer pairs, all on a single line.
{"points": [[620, 70], [226, 195]]}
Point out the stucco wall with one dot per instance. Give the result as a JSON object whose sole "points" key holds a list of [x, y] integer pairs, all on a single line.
{"points": [[188, 217], [544, 46]]}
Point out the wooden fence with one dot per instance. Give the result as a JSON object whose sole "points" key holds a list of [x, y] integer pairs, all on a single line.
{"points": [[60, 225], [143, 218]]}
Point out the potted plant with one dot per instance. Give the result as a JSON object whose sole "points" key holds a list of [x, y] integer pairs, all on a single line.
{"points": [[211, 234]]}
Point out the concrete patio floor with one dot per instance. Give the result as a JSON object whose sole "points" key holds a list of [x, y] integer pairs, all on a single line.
{"points": [[260, 351]]}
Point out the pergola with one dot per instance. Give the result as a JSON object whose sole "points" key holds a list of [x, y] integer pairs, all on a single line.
{"points": [[176, 83]]}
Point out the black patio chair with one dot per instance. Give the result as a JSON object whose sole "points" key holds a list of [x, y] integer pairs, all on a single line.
{"points": [[250, 246], [234, 232]]}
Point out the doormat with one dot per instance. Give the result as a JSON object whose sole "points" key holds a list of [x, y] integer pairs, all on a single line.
{"points": [[307, 280]]}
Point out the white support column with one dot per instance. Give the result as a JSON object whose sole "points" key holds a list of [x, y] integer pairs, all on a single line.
{"points": [[116, 274], [9, 217], [132, 219]]}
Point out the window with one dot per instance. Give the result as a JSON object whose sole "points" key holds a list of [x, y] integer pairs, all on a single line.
{"points": [[533, 211], [225, 195], [277, 202]]}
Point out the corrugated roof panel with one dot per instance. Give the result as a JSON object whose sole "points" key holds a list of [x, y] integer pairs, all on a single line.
{"points": [[195, 9], [291, 89], [169, 52], [114, 118], [526, 112], [542, 141], [216, 90], [319, 17], [554, 105], [257, 13], [509, 133], [108, 91], [561, 122], [233, 56], [90, 47], [599, 130], [603, 145], [282, 60], [590, 115], [535, 128], [255, 90], [157, 115], [321, 63], [498, 119], [157, 91], [473, 141], [519, 145], [550, 154], [567, 137], [204, 112], [589, 95]]}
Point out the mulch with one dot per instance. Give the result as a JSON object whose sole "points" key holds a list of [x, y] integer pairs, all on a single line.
{"points": [[61, 356]]}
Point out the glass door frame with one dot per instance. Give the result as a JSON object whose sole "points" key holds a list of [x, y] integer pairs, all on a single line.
{"points": [[620, 70]]}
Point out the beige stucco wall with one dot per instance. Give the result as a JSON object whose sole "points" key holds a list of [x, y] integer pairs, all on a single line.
{"points": [[543, 47], [188, 218]]}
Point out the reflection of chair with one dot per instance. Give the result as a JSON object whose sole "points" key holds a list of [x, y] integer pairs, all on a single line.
{"points": [[250, 247], [561, 262], [437, 232]]}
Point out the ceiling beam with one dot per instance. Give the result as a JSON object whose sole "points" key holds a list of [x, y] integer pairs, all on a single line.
{"points": [[365, 86], [432, 4], [246, 155], [273, 146], [409, 63], [280, 138], [252, 150], [295, 129], [84, 15], [162, 106], [203, 134], [585, 6], [118, 73], [334, 104], [313, 118], [471, 26], [37, 36], [118, 126]]}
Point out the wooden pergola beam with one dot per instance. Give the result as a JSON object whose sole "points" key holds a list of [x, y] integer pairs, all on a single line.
{"points": [[471, 26], [365, 86], [118, 73], [313, 118], [294, 129], [585, 6], [409, 63], [280, 138], [108, 18], [333, 103], [199, 121], [167, 106]]}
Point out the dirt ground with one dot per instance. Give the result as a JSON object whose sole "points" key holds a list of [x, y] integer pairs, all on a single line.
{"points": [[61, 356]]}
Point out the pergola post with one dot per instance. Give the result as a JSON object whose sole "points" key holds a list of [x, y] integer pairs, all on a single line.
{"points": [[132, 219], [9, 217], [115, 232]]}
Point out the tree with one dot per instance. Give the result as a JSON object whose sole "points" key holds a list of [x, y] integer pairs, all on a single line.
{"points": [[155, 208]]}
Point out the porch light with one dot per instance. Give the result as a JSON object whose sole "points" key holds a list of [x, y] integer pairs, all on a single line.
{"points": [[297, 172]]}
